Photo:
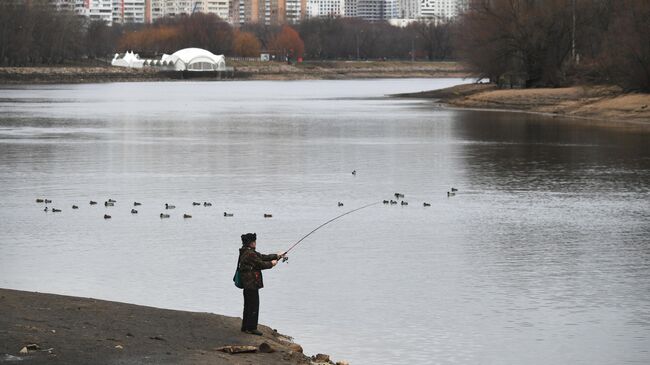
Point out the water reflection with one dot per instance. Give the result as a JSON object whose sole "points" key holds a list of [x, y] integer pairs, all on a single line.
{"points": [[543, 256]]}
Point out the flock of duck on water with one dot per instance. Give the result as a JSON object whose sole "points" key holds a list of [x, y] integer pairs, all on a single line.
{"points": [[404, 202], [111, 203]]}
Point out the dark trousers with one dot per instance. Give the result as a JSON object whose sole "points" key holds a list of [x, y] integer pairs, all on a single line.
{"points": [[251, 309]]}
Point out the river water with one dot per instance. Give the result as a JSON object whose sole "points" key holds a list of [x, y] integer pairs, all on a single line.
{"points": [[542, 257]]}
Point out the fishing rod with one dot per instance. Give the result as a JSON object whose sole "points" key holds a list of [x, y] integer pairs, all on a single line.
{"points": [[284, 255]]}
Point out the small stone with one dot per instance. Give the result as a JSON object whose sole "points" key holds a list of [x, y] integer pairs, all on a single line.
{"points": [[119, 347], [33, 347], [343, 362], [295, 347], [157, 338], [266, 348], [23, 351], [322, 358], [53, 331]]}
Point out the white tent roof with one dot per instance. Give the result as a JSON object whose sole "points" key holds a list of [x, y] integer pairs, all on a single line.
{"points": [[190, 56]]}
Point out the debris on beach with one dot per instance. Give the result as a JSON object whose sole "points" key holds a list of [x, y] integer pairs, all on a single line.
{"points": [[237, 349]]}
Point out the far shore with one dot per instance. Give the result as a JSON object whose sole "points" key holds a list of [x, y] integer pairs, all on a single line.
{"points": [[601, 105], [243, 70], [38, 328]]}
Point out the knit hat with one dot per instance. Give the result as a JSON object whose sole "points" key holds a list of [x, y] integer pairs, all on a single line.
{"points": [[247, 238]]}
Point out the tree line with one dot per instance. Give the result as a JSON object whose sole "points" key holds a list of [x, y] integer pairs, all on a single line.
{"points": [[34, 34], [558, 42], [534, 42]]}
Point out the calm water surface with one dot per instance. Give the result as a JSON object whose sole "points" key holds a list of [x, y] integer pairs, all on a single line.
{"points": [[543, 257]]}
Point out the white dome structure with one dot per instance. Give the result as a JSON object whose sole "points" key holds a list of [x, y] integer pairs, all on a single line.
{"points": [[195, 59]]}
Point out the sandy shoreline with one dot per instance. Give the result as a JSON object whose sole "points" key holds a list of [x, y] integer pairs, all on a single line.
{"points": [[70, 330], [593, 105], [244, 70]]}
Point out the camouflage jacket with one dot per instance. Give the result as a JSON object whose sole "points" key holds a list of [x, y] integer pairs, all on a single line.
{"points": [[251, 264]]}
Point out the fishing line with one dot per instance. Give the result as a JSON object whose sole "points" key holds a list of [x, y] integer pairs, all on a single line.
{"points": [[323, 225]]}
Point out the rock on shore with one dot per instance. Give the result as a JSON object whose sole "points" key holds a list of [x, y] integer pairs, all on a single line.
{"points": [[54, 329]]}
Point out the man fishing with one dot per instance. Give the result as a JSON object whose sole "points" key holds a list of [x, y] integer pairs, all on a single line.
{"points": [[251, 263], [249, 272]]}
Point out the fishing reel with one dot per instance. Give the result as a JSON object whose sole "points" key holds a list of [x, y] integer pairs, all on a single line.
{"points": [[285, 259]]}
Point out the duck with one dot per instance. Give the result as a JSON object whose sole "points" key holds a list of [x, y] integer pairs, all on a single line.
{"points": [[187, 216], [133, 211], [385, 202], [135, 204], [393, 202], [109, 204], [106, 216], [228, 214], [268, 215], [46, 209], [454, 190], [75, 207], [354, 172], [340, 204], [54, 210], [404, 203], [39, 200], [93, 202], [112, 201], [167, 206], [47, 201], [450, 194], [162, 215], [195, 203], [398, 195], [426, 204], [206, 204]]}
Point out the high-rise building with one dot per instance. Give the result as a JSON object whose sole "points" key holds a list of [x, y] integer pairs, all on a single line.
{"points": [[376, 10], [296, 10], [409, 9], [325, 8], [218, 7], [267, 11], [350, 8], [62, 5], [96, 10], [442, 10], [130, 11], [171, 8]]}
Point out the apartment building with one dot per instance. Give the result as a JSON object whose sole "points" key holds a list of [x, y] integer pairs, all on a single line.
{"points": [[350, 8], [409, 9], [131, 11], [162, 8], [442, 10], [96, 10], [325, 8], [377, 10], [267, 11]]}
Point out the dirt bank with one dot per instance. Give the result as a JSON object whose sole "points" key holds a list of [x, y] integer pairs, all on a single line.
{"points": [[603, 105], [244, 70], [69, 330]]}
